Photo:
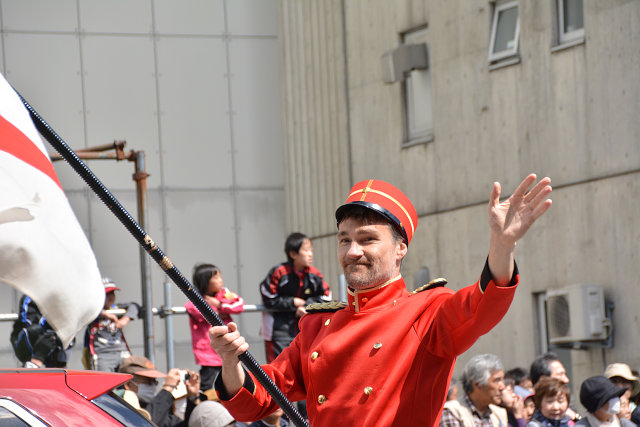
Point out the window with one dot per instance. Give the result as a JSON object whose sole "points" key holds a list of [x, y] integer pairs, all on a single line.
{"points": [[409, 64], [14, 415], [570, 21], [417, 97], [505, 31]]}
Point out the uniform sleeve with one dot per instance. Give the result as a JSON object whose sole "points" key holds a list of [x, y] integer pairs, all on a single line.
{"points": [[454, 321], [253, 402]]}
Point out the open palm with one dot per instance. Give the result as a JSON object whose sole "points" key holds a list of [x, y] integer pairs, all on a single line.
{"points": [[511, 219]]}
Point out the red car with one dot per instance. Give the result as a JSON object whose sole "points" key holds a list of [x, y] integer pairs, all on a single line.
{"points": [[62, 397]]}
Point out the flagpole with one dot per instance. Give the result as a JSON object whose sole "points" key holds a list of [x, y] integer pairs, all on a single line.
{"points": [[156, 253]]}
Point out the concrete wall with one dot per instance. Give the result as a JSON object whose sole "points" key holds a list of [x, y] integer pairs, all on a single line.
{"points": [[195, 85], [570, 114]]}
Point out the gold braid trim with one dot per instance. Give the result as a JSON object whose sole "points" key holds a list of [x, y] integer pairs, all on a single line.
{"points": [[149, 241], [166, 263], [435, 283], [326, 307]]}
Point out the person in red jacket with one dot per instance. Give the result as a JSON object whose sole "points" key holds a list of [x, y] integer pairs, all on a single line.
{"points": [[207, 279], [387, 356]]}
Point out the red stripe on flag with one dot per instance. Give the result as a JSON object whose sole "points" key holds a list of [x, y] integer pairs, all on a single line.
{"points": [[16, 143]]}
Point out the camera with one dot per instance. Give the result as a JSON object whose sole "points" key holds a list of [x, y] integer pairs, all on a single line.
{"points": [[184, 375]]}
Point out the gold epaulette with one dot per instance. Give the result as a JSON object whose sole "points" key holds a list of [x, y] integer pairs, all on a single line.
{"points": [[435, 283], [326, 307]]}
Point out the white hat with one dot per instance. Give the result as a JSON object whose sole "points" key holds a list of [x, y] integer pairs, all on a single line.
{"points": [[623, 370], [210, 414]]}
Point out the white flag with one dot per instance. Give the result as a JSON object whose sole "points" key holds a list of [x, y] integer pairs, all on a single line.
{"points": [[43, 250]]}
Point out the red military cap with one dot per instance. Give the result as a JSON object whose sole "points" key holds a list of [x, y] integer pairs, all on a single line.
{"points": [[386, 200]]}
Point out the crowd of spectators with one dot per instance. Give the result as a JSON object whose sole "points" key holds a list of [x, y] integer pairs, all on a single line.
{"points": [[541, 396]]}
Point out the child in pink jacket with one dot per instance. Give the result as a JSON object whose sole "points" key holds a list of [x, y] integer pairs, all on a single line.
{"points": [[207, 278]]}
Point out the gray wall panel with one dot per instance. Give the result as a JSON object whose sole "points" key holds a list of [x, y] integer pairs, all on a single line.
{"points": [[201, 228], [256, 117], [253, 18], [40, 15], [197, 17], [194, 113], [254, 91], [261, 238], [120, 98], [117, 16]]}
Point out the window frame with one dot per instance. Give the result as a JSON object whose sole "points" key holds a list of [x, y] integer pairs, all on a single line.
{"points": [[20, 412], [499, 7], [424, 135], [571, 36]]}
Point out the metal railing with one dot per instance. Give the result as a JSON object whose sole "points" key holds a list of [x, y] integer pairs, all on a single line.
{"points": [[157, 311], [162, 312], [165, 312]]}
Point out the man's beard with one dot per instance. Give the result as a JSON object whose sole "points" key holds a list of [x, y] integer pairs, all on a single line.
{"points": [[371, 277]]}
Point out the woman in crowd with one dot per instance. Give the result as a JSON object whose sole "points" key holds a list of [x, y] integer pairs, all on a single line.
{"points": [[602, 399], [552, 400]]}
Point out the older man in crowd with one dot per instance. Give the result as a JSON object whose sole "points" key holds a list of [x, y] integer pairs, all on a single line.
{"points": [[483, 382]]}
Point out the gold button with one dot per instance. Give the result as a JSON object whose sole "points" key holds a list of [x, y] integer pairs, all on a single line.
{"points": [[327, 322], [314, 355], [377, 345], [322, 398], [368, 390], [365, 299]]}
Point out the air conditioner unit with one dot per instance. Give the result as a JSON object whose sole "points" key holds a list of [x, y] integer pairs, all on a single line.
{"points": [[576, 314]]}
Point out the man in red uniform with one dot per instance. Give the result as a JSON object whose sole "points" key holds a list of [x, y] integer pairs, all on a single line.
{"points": [[387, 357]]}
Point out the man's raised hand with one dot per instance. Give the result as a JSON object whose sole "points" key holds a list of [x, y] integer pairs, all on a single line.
{"points": [[511, 219]]}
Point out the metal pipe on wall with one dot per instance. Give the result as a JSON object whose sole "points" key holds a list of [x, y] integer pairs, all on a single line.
{"points": [[140, 177], [168, 326]]}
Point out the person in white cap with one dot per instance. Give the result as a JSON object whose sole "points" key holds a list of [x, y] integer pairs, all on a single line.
{"points": [[211, 414], [105, 344]]}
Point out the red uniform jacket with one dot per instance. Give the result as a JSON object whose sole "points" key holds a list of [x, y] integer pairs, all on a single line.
{"points": [[385, 360]]}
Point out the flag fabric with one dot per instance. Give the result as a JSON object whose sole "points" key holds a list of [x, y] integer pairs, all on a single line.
{"points": [[44, 252]]}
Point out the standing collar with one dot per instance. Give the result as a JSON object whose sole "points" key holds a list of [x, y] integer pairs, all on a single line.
{"points": [[367, 299]]}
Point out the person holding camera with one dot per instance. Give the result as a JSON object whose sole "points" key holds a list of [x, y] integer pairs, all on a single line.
{"points": [[160, 405]]}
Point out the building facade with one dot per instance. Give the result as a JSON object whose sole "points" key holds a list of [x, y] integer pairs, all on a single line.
{"points": [[444, 98]]}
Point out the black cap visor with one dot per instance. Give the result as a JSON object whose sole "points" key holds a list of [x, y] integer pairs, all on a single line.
{"points": [[342, 210]]}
